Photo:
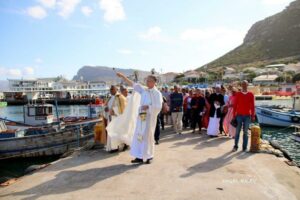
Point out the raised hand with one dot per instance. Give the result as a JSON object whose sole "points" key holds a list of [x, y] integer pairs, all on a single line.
{"points": [[120, 75]]}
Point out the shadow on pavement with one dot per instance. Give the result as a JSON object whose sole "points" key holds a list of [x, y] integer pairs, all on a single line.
{"points": [[68, 181]]}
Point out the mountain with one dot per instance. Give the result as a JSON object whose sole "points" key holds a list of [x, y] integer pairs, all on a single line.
{"points": [[276, 38], [107, 74]]}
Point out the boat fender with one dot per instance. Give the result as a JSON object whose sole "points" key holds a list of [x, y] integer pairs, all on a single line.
{"points": [[295, 119]]}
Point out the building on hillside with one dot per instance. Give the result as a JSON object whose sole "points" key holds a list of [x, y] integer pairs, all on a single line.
{"points": [[276, 67], [230, 74], [168, 77], [265, 79], [191, 76]]}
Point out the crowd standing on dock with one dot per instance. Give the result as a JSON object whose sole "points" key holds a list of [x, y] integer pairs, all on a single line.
{"points": [[219, 110]]}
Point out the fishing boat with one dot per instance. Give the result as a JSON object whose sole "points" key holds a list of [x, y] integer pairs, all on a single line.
{"points": [[40, 134], [36, 142], [41, 115], [279, 116]]}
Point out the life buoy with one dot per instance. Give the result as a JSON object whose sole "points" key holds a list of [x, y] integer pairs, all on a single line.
{"points": [[295, 119]]}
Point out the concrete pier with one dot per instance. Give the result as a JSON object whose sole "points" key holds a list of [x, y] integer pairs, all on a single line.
{"points": [[187, 166]]}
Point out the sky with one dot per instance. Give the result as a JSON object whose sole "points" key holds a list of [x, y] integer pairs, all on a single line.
{"points": [[48, 38]]}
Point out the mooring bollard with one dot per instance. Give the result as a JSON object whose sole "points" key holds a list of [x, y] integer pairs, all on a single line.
{"points": [[255, 138]]}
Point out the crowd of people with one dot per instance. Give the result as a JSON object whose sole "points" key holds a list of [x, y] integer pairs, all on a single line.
{"points": [[219, 110], [136, 119]]}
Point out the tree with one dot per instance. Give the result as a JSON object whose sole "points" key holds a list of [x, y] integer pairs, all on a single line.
{"points": [[178, 78], [296, 78], [153, 71]]}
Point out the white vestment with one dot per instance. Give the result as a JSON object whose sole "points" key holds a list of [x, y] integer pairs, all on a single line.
{"points": [[213, 125], [112, 104], [121, 129], [142, 145]]}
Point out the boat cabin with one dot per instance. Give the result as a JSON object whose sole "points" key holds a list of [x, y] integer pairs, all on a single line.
{"points": [[38, 114]]}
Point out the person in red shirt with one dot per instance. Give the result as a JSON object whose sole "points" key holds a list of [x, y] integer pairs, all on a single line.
{"points": [[244, 112]]}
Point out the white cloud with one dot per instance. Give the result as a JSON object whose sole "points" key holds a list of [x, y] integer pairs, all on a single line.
{"points": [[275, 2], [16, 72], [113, 10], [152, 33], [67, 7], [125, 51], [28, 71], [155, 34], [48, 3], [37, 12], [10, 72], [87, 11]]}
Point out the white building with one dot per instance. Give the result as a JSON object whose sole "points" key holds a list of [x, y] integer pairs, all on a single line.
{"points": [[29, 85], [57, 87], [230, 73], [265, 79], [168, 77]]}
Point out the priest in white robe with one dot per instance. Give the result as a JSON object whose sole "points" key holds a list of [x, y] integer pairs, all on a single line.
{"points": [[149, 106], [115, 106]]}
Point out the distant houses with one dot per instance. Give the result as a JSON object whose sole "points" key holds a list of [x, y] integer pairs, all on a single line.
{"points": [[265, 79]]}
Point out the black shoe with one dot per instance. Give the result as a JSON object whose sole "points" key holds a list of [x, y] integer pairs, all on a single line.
{"points": [[156, 142], [137, 160], [234, 149], [114, 151], [125, 147], [149, 161], [244, 150]]}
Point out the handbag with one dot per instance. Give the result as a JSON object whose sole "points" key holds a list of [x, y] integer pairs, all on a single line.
{"points": [[165, 108], [234, 122]]}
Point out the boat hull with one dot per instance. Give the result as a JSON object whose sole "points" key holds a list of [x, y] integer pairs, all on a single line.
{"points": [[269, 117], [43, 145], [296, 138]]}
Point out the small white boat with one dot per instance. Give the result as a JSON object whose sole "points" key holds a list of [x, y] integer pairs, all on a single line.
{"points": [[41, 135], [279, 116]]}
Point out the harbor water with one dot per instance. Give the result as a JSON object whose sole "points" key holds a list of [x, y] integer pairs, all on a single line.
{"points": [[283, 135]]}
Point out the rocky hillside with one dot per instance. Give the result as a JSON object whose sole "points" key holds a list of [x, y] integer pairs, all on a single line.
{"points": [[274, 38], [100, 73]]}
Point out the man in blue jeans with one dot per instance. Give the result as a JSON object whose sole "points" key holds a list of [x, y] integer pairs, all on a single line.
{"points": [[244, 112]]}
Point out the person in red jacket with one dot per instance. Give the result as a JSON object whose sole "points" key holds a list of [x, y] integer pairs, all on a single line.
{"points": [[244, 112]]}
